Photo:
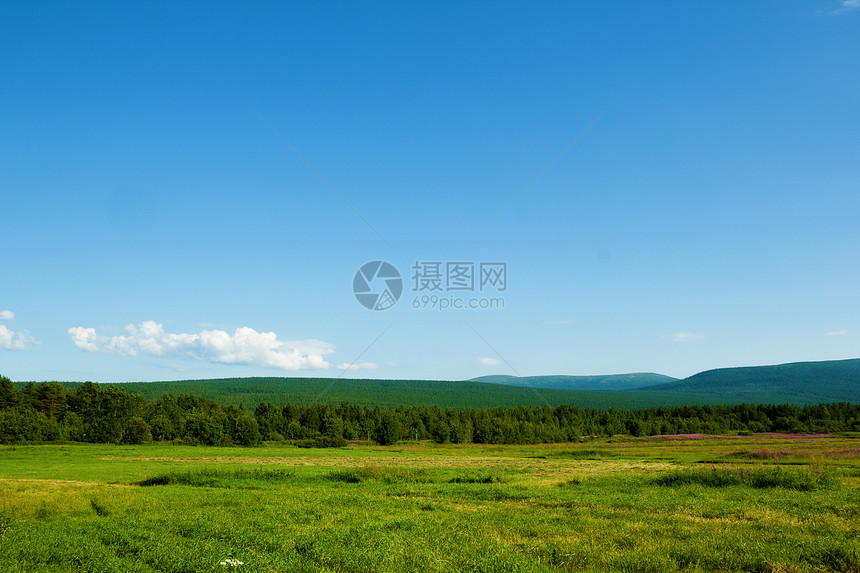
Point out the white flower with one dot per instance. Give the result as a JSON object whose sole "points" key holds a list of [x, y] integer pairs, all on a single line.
{"points": [[231, 562]]}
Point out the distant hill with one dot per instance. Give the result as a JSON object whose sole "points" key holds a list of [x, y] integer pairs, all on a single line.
{"points": [[606, 382], [797, 383], [444, 394]]}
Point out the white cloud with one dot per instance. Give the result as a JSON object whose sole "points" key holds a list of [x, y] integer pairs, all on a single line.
{"points": [[847, 6], [244, 346], [489, 361], [359, 366], [836, 333], [11, 340], [686, 336]]}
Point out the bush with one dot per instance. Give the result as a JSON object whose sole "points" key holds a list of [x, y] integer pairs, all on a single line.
{"points": [[246, 431], [136, 431], [203, 429], [389, 429]]}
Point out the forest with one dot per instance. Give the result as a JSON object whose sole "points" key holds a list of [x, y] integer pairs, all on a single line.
{"points": [[95, 413]]}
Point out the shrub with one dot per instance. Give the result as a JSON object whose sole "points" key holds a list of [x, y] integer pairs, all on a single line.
{"points": [[136, 431]]}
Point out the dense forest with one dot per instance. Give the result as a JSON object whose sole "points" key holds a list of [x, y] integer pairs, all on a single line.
{"points": [[460, 394], [90, 412], [798, 383]]}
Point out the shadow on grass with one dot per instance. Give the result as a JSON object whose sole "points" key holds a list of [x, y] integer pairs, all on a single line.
{"points": [[477, 478]]}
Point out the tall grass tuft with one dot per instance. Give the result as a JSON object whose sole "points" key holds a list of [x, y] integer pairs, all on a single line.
{"points": [[381, 473], [476, 478], [221, 477], [800, 479]]}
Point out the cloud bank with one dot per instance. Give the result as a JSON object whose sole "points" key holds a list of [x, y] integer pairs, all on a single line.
{"points": [[244, 346], [11, 340], [489, 361]]}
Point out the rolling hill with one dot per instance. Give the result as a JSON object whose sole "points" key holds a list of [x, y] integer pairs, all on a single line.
{"points": [[444, 394], [796, 382], [606, 382]]}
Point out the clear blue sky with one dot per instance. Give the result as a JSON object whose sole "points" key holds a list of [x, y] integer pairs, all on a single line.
{"points": [[706, 215]]}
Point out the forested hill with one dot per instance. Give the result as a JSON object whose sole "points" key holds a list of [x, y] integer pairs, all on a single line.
{"points": [[798, 383], [444, 394], [600, 382], [794, 383]]}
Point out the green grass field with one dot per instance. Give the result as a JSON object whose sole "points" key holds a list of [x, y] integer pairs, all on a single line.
{"points": [[730, 504]]}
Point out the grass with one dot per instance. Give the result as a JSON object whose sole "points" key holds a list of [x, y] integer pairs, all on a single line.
{"points": [[624, 505], [385, 474], [239, 477], [801, 479]]}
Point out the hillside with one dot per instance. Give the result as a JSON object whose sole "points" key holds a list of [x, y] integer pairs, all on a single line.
{"points": [[797, 382], [605, 382], [444, 394]]}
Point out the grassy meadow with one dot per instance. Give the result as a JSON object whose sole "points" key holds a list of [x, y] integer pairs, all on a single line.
{"points": [[762, 503]]}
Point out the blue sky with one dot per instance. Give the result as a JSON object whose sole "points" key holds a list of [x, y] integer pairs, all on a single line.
{"points": [[159, 222]]}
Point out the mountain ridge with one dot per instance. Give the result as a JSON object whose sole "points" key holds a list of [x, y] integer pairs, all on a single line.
{"points": [[797, 383], [826, 380], [592, 382]]}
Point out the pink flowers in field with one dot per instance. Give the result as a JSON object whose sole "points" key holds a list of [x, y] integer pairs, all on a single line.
{"points": [[840, 454], [775, 435], [761, 436], [765, 454], [687, 436]]}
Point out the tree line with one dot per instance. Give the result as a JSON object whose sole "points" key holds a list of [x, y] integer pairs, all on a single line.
{"points": [[90, 412]]}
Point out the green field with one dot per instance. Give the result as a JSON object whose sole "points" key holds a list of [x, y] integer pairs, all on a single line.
{"points": [[759, 503]]}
